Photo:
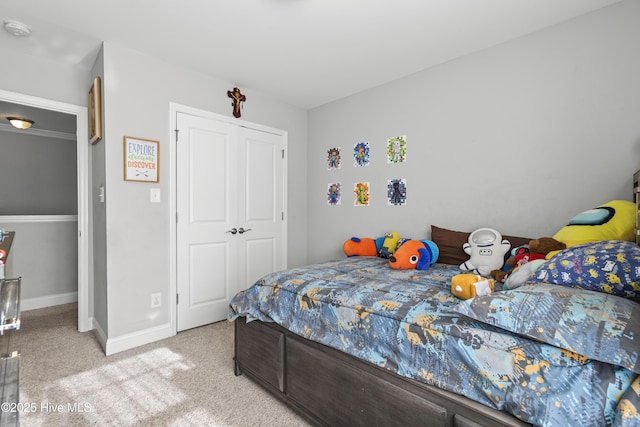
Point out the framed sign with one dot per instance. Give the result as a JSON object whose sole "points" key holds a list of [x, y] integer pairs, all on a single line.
{"points": [[95, 111], [141, 159]]}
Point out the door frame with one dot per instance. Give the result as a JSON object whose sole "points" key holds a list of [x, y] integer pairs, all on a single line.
{"points": [[174, 109], [85, 279]]}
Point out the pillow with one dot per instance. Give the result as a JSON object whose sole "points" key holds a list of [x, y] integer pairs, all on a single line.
{"points": [[618, 225], [592, 324], [450, 243], [609, 266]]}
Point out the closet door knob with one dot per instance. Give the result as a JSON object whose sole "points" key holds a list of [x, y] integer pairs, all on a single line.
{"points": [[242, 230], [234, 231]]}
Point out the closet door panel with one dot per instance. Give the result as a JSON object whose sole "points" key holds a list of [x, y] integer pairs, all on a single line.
{"points": [[261, 209], [207, 209]]}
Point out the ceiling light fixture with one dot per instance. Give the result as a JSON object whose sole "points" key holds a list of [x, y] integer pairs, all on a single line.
{"points": [[19, 123], [17, 28]]}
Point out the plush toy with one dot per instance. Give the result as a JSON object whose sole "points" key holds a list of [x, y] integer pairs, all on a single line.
{"points": [[360, 246], [614, 220], [466, 285], [520, 275], [414, 254], [365, 246], [517, 254], [538, 249], [389, 244], [486, 250]]}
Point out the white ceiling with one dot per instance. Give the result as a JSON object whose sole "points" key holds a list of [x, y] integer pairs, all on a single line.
{"points": [[303, 52]]}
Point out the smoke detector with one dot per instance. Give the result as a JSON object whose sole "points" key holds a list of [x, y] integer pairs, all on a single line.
{"points": [[17, 28]]}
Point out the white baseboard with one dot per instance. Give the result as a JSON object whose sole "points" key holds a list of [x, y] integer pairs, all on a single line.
{"points": [[100, 335], [48, 301], [109, 345], [136, 339]]}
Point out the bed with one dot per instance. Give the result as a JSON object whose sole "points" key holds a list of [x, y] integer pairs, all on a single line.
{"points": [[353, 342]]}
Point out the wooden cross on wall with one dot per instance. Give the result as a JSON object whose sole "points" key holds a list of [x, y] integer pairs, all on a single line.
{"points": [[238, 99]]}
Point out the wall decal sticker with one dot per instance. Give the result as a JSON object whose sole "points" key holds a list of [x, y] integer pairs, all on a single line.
{"points": [[397, 192], [361, 154], [334, 194], [397, 149], [333, 158], [361, 190]]}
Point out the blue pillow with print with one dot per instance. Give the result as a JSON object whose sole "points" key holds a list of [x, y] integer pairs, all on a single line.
{"points": [[609, 266]]}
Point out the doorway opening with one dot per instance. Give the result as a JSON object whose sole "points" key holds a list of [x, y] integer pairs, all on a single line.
{"points": [[85, 304]]}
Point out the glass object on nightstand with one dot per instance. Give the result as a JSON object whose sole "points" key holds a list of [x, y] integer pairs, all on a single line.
{"points": [[9, 304]]}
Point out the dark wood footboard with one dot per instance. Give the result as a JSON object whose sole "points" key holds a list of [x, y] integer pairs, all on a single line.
{"points": [[331, 388]]}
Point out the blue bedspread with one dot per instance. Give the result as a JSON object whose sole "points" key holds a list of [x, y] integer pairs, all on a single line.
{"points": [[407, 321]]}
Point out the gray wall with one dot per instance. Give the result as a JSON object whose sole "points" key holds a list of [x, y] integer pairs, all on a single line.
{"points": [[137, 92], [519, 137], [35, 76], [98, 255], [37, 175], [45, 254]]}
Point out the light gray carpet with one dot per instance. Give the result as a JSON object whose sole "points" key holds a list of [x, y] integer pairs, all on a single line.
{"points": [[186, 380]]}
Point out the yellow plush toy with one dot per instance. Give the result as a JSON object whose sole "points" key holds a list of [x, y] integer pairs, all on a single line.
{"points": [[389, 244], [466, 285], [614, 220]]}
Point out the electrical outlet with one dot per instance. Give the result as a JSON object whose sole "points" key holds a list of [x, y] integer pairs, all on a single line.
{"points": [[156, 300]]}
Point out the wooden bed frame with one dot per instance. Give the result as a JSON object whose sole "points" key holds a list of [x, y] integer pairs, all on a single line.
{"points": [[331, 388]]}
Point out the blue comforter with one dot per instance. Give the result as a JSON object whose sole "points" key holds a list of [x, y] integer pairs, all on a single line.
{"points": [[407, 321]]}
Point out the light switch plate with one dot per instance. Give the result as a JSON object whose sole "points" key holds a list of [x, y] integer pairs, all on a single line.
{"points": [[154, 195]]}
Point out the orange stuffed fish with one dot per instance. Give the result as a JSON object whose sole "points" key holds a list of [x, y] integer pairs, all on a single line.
{"points": [[414, 254]]}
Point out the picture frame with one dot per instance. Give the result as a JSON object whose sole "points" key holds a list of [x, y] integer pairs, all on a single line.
{"points": [[141, 159], [95, 111]]}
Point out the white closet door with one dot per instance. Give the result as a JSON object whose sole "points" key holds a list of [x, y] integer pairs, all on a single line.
{"points": [[230, 203], [260, 176], [207, 268]]}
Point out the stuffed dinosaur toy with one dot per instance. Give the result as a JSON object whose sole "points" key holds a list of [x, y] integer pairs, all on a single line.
{"points": [[414, 254], [486, 250]]}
